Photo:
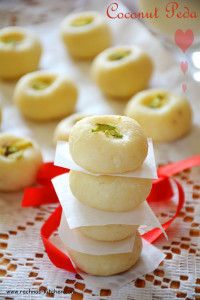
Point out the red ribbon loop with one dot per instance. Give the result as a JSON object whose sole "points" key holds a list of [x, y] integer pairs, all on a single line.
{"points": [[48, 171], [161, 190], [179, 166], [43, 194], [57, 257], [154, 234]]}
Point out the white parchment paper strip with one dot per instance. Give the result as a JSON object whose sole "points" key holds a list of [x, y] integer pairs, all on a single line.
{"points": [[75, 240], [147, 170], [78, 214], [149, 260]]}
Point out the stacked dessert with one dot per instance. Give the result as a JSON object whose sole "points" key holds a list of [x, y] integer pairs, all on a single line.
{"points": [[107, 147]]}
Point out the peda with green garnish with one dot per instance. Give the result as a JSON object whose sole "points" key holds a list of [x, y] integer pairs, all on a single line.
{"points": [[85, 34], [20, 52], [121, 71], [20, 159], [108, 144], [45, 96], [163, 115]]}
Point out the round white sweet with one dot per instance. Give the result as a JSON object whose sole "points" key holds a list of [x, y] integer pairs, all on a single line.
{"points": [[121, 71], [108, 144], [20, 159], [64, 127], [108, 233], [20, 52], [107, 265], [85, 34], [45, 95], [163, 115], [109, 193]]}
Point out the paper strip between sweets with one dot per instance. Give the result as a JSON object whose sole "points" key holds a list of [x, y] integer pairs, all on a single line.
{"points": [[147, 170], [73, 239], [79, 214]]}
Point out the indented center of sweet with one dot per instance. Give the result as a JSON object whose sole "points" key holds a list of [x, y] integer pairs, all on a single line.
{"points": [[119, 54], [12, 38], [15, 149], [109, 130], [82, 21], [41, 83], [156, 102]]}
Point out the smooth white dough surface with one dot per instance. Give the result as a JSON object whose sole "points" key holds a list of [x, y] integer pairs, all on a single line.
{"points": [[106, 265], [64, 127], [109, 193]]}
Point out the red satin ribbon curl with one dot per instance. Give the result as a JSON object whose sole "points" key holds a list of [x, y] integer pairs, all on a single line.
{"points": [[57, 257]]}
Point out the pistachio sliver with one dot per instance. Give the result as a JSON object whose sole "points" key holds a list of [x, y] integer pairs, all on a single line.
{"points": [[40, 85], [12, 41], [118, 55], [16, 155], [22, 144], [109, 130], [157, 101], [12, 150], [82, 21], [9, 42], [12, 38]]}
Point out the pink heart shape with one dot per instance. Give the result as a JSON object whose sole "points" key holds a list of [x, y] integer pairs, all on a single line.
{"points": [[184, 87], [184, 66], [184, 39]]}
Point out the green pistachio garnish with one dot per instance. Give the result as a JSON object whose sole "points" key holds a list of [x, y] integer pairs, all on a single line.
{"points": [[16, 149], [82, 21], [40, 85], [120, 54], [157, 102], [22, 144], [10, 42], [11, 39], [109, 130], [16, 155]]}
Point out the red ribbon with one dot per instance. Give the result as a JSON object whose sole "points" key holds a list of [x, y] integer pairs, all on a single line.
{"points": [[154, 234], [57, 257], [179, 166], [45, 194]]}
